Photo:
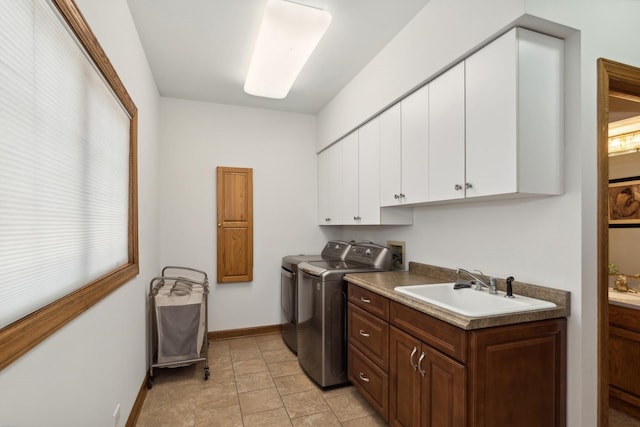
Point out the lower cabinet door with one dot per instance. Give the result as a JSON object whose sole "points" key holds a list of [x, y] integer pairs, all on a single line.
{"points": [[444, 390], [371, 381], [404, 379]]}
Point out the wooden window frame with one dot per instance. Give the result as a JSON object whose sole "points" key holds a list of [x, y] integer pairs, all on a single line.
{"points": [[22, 335]]}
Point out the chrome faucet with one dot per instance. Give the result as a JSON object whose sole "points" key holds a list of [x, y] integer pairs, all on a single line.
{"points": [[480, 283]]}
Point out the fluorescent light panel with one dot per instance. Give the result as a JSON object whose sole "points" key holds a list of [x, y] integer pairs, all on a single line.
{"points": [[288, 35]]}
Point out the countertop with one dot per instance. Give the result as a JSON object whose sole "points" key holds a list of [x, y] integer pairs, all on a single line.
{"points": [[624, 299], [383, 283]]}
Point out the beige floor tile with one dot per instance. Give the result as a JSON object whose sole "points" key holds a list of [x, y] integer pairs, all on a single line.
{"points": [[241, 342], [243, 367], [271, 342], [228, 416], [296, 383], [322, 419], [288, 367], [222, 376], [259, 401], [304, 403], [349, 406], [257, 381], [272, 418], [245, 353], [172, 414], [369, 421], [278, 355], [216, 396]]}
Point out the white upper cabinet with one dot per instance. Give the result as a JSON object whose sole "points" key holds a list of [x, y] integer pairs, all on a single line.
{"points": [[390, 156], [514, 116], [349, 178], [369, 173], [447, 136], [415, 143], [330, 186], [404, 137], [350, 186]]}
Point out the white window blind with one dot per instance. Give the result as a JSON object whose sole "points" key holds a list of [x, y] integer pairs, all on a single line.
{"points": [[64, 163]]}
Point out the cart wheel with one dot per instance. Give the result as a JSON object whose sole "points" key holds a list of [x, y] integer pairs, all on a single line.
{"points": [[149, 382], [206, 373]]}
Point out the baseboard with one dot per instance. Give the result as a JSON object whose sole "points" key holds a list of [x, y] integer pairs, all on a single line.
{"points": [[137, 405], [245, 332]]}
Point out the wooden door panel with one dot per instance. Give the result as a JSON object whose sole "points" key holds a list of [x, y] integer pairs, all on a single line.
{"points": [[444, 391], [404, 380], [235, 224]]}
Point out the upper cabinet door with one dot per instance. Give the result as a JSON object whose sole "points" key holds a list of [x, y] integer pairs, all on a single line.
{"points": [[447, 136], [349, 146], [515, 110], [369, 173], [491, 93], [415, 144], [390, 156]]}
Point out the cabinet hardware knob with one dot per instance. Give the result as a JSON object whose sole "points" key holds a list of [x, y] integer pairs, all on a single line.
{"points": [[395, 196], [423, 373], [355, 218], [467, 185], [401, 196], [365, 300], [457, 187], [219, 225], [363, 377], [364, 334], [413, 365]]}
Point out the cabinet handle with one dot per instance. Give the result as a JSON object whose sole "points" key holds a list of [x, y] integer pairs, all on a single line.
{"points": [[327, 219], [355, 218], [365, 300], [457, 187], [363, 377], [423, 373], [413, 365], [395, 196], [364, 334], [401, 196], [467, 185]]}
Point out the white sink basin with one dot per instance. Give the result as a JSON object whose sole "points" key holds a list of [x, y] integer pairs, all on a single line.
{"points": [[472, 303]]}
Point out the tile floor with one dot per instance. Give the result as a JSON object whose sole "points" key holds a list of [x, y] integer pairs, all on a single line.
{"points": [[255, 381]]}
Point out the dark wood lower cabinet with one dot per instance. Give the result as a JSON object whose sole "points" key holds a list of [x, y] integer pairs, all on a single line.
{"points": [[437, 375], [427, 387]]}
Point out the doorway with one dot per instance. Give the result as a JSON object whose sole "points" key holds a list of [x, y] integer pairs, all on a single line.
{"points": [[618, 85]]}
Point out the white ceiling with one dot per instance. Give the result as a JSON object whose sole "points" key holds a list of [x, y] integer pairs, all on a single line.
{"points": [[201, 49]]}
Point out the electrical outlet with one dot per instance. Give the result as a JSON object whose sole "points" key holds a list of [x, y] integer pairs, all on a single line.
{"points": [[116, 415], [398, 256]]}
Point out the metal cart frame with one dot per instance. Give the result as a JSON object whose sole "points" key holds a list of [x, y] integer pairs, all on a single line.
{"points": [[155, 285]]}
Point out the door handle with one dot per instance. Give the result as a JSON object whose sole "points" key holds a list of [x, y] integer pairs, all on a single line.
{"points": [[423, 373], [413, 365]]}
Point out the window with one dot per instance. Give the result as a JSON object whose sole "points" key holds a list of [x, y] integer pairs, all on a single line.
{"points": [[68, 192]]}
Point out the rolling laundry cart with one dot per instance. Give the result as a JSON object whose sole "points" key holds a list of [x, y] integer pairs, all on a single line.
{"points": [[178, 319]]}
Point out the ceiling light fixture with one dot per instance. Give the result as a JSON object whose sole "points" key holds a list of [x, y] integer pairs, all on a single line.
{"points": [[288, 35]]}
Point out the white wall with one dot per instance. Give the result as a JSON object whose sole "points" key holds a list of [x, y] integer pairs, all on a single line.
{"points": [[197, 137], [549, 241], [77, 376]]}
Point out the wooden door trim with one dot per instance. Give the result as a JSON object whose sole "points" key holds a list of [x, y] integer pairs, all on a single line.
{"points": [[612, 76]]}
